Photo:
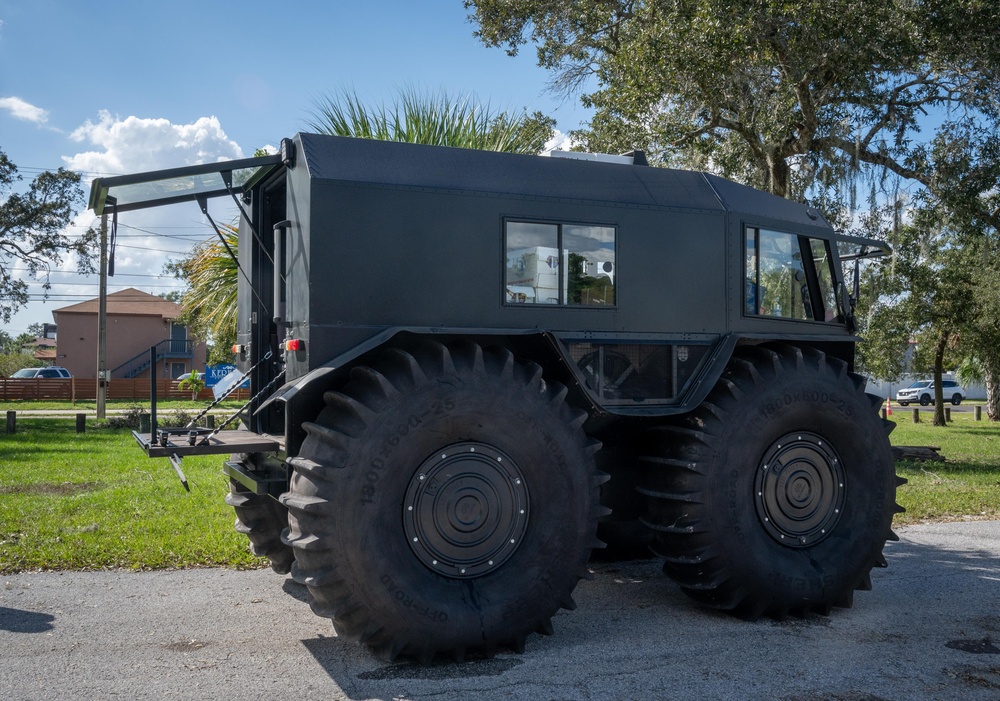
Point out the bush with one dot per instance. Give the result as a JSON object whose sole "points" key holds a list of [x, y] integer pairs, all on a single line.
{"points": [[176, 419], [128, 419], [12, 362]]}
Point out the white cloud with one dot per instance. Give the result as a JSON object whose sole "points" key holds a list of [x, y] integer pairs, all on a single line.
{"points": [[19, 109], [134, 144], [147, 239], [559, 142]]}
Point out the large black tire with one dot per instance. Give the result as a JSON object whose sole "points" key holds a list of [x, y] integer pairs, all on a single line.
{"points": [[956, 399], [262, 519], [925, 399], [777, 494], [444, 501]]}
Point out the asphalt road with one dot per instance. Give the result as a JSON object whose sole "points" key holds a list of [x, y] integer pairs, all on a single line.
{"points": [[930, 629]]}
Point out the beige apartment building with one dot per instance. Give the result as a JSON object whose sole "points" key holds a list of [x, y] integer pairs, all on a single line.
{"points": [[136, 320]]}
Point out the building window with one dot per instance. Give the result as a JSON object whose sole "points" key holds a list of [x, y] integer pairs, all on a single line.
{"points": [[563, 264]]}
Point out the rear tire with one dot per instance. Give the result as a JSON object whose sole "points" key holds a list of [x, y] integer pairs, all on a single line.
{"points": [[262, 519], [445, 501], [777, 494], [956, 399]]}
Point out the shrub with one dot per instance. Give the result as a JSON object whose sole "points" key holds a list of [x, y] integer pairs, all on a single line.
{"points": [[128, 419]]}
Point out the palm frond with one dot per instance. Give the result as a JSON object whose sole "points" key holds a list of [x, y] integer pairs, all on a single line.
{"points": [[437, 119]]}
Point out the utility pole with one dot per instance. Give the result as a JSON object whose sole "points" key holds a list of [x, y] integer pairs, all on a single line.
{"points": [[102, 323]]}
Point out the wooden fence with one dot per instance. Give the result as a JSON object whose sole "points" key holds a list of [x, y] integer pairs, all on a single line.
{"points": [[75, 389]]}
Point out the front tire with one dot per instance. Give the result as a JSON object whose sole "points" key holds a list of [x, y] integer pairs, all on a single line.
{"points": [[445, 501], [777, 494], [925, 399]]}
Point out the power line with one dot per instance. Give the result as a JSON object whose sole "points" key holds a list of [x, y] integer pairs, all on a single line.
{"points": [[34, 170], [157, 250], [88, 284], [77, 272]]}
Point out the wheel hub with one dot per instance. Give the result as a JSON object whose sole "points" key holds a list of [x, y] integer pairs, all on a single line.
{"points": [[800, 489], [465, 510]]}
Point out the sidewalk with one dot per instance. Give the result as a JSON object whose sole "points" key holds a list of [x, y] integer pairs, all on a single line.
{"points": [[91, 412]]}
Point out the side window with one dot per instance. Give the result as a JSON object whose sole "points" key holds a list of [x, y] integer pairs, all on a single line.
{"points": [[591, 274], [566, 264], [823, 262], [776, 282], [532, 263], [789, 276]]}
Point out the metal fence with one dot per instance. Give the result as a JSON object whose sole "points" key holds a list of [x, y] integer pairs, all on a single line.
{"points": [[74, 389]]}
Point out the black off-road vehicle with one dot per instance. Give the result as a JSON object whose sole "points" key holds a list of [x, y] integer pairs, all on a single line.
{"points": [[469, 368]]}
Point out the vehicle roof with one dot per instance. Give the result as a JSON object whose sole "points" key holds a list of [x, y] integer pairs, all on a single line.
{"points": [[466, 170]]}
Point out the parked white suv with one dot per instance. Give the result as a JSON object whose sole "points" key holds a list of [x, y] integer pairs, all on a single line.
{"points": [[923, 392], [47, 372]]}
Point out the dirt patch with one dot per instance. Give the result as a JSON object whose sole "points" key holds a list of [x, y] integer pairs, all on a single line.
{"points": [[62, 488]]}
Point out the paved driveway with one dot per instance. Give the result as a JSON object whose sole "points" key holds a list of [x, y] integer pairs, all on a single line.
{"points": [[929, 630]]}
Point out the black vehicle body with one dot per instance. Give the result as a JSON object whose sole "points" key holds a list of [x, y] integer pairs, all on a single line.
{"points": [[349, 247]]}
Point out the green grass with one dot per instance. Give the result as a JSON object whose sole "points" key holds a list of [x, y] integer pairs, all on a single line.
{"points": [[966, 486], [94, 501]]}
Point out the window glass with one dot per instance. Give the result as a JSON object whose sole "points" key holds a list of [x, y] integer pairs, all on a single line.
{"points": [[532, 263], [752, 304], [775, 277], [824, 274], [591, 274], [571, 264]]}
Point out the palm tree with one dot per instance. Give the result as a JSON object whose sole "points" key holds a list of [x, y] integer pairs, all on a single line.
{"points": [[210, 300], [434, 119]]}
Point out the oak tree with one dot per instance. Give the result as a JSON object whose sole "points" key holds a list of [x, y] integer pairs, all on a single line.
{"points": [[787, 95], [33, 235]]}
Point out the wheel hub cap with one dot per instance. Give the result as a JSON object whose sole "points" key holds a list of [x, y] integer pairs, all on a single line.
{"points": [[466, 510], [800, 489]]}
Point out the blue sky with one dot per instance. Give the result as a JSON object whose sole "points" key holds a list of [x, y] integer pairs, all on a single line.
{"points": [[116, 86]]}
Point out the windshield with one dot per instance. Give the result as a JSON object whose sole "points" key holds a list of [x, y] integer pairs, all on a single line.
{"points": [[916, 385], [26, 372]]}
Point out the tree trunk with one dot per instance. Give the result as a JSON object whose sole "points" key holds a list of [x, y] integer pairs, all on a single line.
{"points": [[778, 173], [992, 393], [942, 344]]}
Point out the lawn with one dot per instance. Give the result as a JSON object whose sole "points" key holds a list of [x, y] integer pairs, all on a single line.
{"points": [[94, 500], [966, 486]]}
